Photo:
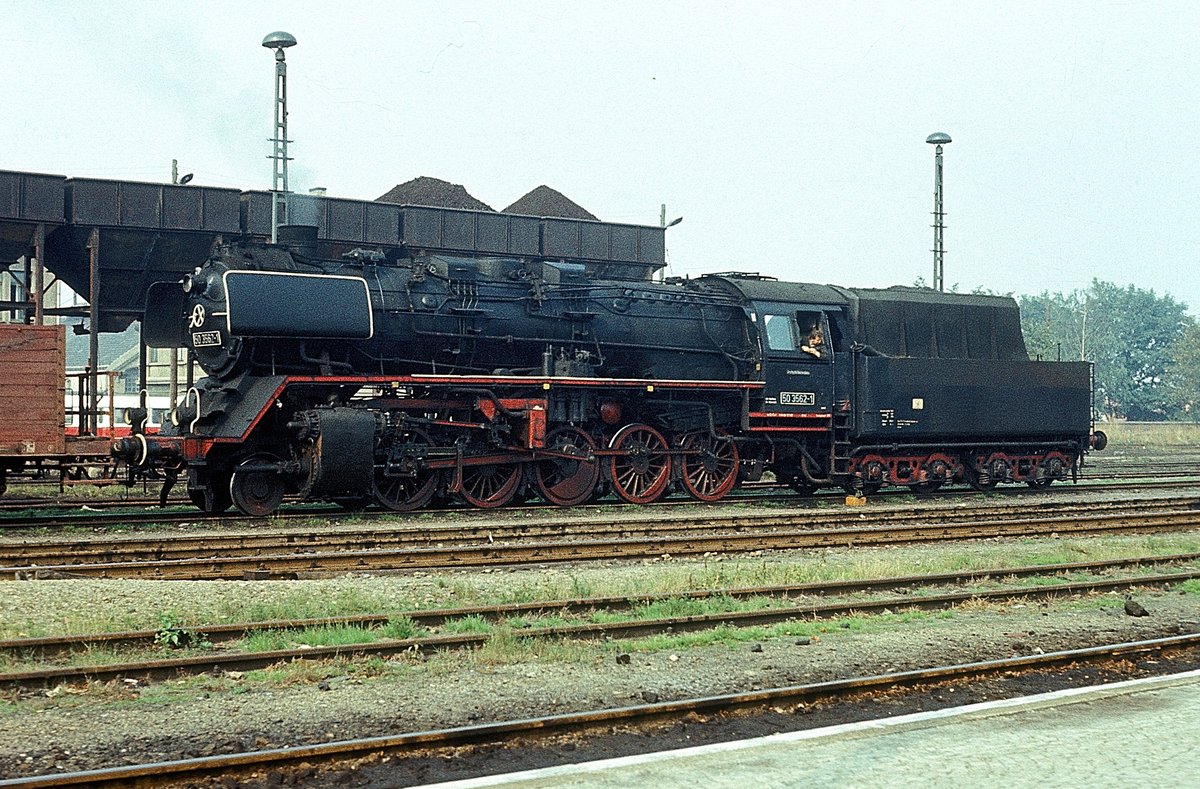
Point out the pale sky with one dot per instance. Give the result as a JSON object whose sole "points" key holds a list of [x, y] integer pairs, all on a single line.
{"points": [[790, 136]]}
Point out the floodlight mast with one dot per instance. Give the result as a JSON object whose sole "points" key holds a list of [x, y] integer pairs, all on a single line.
{"points": [[939, 243], [279, 41]]}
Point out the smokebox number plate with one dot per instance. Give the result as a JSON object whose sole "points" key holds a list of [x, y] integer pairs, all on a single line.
{"points": [[205, 339]]}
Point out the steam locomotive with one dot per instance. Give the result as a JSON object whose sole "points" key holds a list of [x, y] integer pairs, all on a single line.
{"points": [[395, 374]]}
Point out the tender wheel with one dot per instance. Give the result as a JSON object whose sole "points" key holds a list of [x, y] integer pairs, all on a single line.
{"points": [[710, 466], [1053, 467], [874, 472], [642, 470], [570, 480], [994, 470], [401, 482], [937, 470], [256, 493], [491, 485], [219, 498], [981, 480]]}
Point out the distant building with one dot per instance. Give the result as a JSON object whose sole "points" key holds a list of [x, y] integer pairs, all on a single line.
{"points": [[12, 289]]}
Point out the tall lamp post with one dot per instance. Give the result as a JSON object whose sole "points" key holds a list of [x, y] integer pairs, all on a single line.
{"points": [[279, 41], [939, 246]]}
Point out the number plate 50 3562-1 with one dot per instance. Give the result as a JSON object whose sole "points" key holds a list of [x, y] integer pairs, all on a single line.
{"points": [[205, 339], [797, 398]]}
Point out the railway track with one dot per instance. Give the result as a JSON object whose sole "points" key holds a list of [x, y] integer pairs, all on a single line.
{"points": [[470, 531], [96, 513], [328, 755], [430, 642], [87, 519], [291, 554]]}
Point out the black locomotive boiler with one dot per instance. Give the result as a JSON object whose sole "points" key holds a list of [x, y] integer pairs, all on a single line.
{"points": [[395, 374]]}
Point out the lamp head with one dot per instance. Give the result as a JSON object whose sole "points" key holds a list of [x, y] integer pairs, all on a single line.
{"points": [[279, 40], [938, 138]]}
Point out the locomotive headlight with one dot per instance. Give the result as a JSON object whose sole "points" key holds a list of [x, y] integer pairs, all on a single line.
{"points": [[194, 282]]}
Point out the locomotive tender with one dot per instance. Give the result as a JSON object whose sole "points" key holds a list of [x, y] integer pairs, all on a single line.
{"points": [[397, 374]]}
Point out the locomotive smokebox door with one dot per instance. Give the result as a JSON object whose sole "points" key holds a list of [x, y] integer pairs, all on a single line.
{"points": [[797, 359]]}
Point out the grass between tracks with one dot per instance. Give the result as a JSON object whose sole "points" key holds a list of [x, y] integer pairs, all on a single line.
{"points": [[506, 645], [63, 607], [507, 639]]}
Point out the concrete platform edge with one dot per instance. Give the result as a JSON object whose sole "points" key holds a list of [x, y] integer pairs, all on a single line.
{"points": [[860, 729]]}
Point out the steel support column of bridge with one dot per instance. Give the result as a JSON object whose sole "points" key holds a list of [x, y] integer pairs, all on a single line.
{"points": [[89, 422], [31, 282], [39, 274]]}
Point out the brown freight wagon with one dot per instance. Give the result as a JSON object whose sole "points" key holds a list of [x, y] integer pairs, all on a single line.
{"points": [[33, 439]]}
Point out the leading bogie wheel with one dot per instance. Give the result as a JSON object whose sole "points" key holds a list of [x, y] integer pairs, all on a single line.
{"points": [[641, 470], [257, 493]]}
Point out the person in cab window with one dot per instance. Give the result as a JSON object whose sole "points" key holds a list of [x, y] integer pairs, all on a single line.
{"points": [[815, 344]]}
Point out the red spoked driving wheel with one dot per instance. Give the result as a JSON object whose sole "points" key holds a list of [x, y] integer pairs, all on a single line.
{"points": [[402, 482], [641, 470], [709, 465], [490, 485], [570, 475]]}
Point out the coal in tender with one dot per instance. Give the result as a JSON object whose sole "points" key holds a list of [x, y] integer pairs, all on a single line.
{"points": [[544, 201], [424, 190]]}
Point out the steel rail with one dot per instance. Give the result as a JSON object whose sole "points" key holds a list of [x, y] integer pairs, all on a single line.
{"points": [[290, 565], [428, 645], [47, 646], [174, 772], [141, 548], [156, 516], [748, 490]]}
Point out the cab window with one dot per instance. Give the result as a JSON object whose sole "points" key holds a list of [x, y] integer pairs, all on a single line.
{"points": [[781, 335]]}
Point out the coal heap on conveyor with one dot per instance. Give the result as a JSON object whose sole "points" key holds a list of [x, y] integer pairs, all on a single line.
{"points": [[545, 201], [424, 190]]}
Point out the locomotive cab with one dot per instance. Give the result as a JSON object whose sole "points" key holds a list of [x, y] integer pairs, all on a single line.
{"points": [[798, 357]]}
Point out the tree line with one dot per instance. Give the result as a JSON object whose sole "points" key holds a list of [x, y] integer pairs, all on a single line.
{"points": [[1145, 347]]}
